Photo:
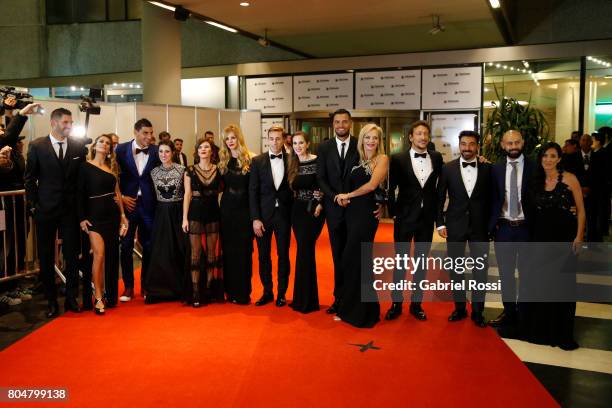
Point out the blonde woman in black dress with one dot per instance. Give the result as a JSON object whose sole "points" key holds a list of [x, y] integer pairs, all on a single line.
{"points": [[101, 214]]}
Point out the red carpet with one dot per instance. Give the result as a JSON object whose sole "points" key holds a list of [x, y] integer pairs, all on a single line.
{"points": [[228, 355]]}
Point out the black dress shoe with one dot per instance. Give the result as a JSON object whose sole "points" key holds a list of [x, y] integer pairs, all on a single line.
{"points": [[457, 315], [265, 299], [502, 320], [281, 301], [394, 311], [71, 305], [478, 319], [52, 310], [418, 312], [333, 309]]}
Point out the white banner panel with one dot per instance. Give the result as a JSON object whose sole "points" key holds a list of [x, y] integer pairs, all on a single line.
{"points": [[269, 95], [388, 90], [322, 92], [267, 123], [452, 88], [205, 92], [445, 129]]}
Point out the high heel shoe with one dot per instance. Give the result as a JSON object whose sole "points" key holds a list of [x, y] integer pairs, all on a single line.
{"points": [[195, 298], [99, 310]]}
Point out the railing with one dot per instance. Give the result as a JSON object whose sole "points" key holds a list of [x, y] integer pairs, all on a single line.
{"points": [[18, 250]]}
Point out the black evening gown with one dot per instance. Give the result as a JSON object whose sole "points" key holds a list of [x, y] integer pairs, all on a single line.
{"points": [[306, 228], [552, 272], [97, 204], [236, 234], [165, 280], [361, 227]]}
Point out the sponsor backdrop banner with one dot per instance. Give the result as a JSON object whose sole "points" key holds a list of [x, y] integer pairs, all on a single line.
{"points": [[445, 129], [388, 90], [452, 88], [323, 92], [269, 95]]}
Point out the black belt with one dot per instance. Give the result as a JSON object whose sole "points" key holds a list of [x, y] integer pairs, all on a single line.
{"points": [[517, 223]]}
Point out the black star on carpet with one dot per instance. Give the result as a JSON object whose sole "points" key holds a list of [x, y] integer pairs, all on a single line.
{"points": [[365, 347]]}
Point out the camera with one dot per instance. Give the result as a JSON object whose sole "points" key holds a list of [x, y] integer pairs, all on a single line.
{"points": [[11, 99], [88, 103]]}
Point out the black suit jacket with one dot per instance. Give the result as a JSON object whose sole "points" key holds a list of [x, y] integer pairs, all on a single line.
{"points": [[465, 216], [574, 164], [498, 189], [51, 184], [175, 158], [262, 192], [12, 131], [332, 179], [407, 206]]}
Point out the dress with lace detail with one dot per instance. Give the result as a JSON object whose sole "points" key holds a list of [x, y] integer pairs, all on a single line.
{"points": [[204, 214], [168, 182]]}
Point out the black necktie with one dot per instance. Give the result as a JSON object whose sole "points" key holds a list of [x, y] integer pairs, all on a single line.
{"points": [[276, 156], [61, 150], [145, 150], [421, 155], [342, 151], [465, 164]]}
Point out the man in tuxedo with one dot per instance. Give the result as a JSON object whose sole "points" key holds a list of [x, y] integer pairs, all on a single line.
{"points": [[51, 174], [136, 159], [607, 153], [415, 173], [335, 159], [508, 222], [179, 157], [598, 174], [468, 184], [270, 200]]}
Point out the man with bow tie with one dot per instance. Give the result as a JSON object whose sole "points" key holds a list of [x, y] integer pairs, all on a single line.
{"points": [[136, 159], [468, 184], [270, 200], [414, 173]]}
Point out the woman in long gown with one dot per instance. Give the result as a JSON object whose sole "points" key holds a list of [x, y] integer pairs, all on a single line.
{"points": [[236, 225], [361, 227], [201, 218], [306, 221], [165, 280], [552, 277], [100, 212]]}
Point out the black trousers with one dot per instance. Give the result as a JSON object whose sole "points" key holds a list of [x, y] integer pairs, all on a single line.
{"points": [[68, 228], [279, 225], [337, 240], [479, 248], [403, 233]]}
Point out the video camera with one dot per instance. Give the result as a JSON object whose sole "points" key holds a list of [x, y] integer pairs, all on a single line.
{"points": [[88, 103], [11, 99]]}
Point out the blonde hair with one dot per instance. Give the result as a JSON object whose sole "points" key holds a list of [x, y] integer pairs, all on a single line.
{"points": [[110, 159], [244, 158], [364, 131]]}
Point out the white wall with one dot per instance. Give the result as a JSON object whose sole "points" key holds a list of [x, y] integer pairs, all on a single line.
{"points": [[203, 92]]}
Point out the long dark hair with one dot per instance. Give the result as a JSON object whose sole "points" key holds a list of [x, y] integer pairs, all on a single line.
{"points": [[539, 180], [294, 160]]}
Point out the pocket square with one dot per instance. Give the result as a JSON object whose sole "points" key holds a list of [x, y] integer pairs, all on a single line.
{"points": [[75, 158]]}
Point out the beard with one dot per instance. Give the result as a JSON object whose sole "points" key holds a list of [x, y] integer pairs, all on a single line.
{"points": [[514, 154], [341, 132]]}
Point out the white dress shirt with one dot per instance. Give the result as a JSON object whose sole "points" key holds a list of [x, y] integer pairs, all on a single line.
{"points": [[586, 159], [519, 182], [278, 170], [422, 167], [140, 159], [56, 145], [339, 145], [469, 175]]}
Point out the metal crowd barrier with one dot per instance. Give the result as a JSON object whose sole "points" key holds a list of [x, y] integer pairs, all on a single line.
{"points": [[18, 237]]}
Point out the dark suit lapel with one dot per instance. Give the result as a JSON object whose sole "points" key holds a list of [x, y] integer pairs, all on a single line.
{"points": [[433, 167], [409, 169], [459, 178], [479, 178], [51, 152], [349, 156], [130, 158], [268, 168]]}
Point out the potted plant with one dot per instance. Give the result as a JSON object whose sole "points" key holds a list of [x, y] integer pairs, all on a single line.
{"points": [[507, 114]]}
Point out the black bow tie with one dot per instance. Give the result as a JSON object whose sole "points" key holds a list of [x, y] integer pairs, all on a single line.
{"points": [[421, 155], [276, 156], [465, 164], [145, 150]]}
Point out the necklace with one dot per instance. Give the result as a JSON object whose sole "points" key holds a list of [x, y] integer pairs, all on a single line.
{"points": [[206, 174]]}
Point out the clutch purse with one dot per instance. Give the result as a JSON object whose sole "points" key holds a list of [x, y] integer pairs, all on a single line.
{"points": [[381, 195]]}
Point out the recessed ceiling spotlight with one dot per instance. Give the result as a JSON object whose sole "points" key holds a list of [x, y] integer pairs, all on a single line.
{"points": [[494, 4], [245, 4]]}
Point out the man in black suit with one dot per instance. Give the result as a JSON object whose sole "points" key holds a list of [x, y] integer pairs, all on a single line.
{"points": [[270, 200], [508, 222], [468, 184], [607, 153], [50, 182], [335, 159], [179, 157], [415, 173]]}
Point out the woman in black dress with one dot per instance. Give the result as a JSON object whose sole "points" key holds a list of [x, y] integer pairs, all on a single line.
{"points": [[201, 218], [361, 227], [306, 221], [236, 225], [552, 277], [100, 211], [169, 245]]}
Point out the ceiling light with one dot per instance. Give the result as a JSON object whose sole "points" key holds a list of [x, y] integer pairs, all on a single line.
{"points": [[162, 5], [525, 64], [497, 66], [221, 26], [490, 64], [73, 88], [494, 4], [114, 84], [245, 4]]}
